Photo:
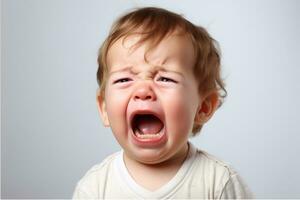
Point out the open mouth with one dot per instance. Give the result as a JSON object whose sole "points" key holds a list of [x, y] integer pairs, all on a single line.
{"points": [[147, 126]]}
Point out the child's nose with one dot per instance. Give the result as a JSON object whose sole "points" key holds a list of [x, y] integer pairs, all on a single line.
{"points": [[144, 92]]}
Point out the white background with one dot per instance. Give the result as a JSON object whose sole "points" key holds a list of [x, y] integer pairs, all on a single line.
{"points": [[51, 131]]}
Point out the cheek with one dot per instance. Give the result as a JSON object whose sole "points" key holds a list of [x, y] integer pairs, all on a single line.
{"points": [[116, 104], [180, 109]]}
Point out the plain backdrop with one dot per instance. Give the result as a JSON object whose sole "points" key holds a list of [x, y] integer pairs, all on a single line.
{"points": [[51, 133]]}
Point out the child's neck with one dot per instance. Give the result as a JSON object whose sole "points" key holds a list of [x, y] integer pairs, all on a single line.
{"points": [[154, 176]]}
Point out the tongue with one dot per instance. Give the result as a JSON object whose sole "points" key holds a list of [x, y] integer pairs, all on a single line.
{"points": [[149, 124]]}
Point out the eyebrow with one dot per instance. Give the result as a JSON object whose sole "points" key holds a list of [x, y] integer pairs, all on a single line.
{"points": [[156, 68]]}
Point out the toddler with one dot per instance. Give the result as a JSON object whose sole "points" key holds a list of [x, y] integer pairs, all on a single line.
{"points": [[159, 83]]}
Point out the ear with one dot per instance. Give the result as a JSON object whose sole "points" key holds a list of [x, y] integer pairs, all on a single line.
{"points": [[102, 108], [207, 108]]}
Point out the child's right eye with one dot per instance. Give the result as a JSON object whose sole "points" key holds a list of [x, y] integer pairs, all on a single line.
{"points": [[122, 80]]}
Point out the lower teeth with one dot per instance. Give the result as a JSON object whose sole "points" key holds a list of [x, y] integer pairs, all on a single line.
{"points": [[146, 136]]}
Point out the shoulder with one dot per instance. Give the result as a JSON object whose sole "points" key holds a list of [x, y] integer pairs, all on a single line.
{"points": [[94, 178], [98, 168], [212, 164], [212, 170], [220, 177]]}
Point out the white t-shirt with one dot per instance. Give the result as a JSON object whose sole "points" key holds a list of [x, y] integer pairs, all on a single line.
{"points": [[201, 176]]}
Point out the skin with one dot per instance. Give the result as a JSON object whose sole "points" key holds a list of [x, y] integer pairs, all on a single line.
{"points": [[165, 83]]}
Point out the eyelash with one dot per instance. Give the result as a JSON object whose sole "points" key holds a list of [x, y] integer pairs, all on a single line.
{"points": [[162, 79], [122, 80], [165, 79]]}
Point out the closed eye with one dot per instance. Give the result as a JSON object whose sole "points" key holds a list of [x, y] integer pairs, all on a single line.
{"points": [[165, 79], [122, 80]]}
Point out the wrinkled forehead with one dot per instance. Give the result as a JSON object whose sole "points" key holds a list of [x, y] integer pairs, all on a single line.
{"points": [[173, 47]]}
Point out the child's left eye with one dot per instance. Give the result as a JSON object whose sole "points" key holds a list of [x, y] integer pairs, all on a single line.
{"points": [[122, 80], [165, 79]]}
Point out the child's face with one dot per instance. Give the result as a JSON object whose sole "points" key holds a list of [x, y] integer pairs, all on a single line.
{"points": [[151, 106]]}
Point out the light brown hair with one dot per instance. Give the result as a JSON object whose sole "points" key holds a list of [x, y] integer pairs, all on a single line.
{"points": [[154, 24]]}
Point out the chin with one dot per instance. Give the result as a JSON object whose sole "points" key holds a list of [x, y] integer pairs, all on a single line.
{"points": [[149, 156]]}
